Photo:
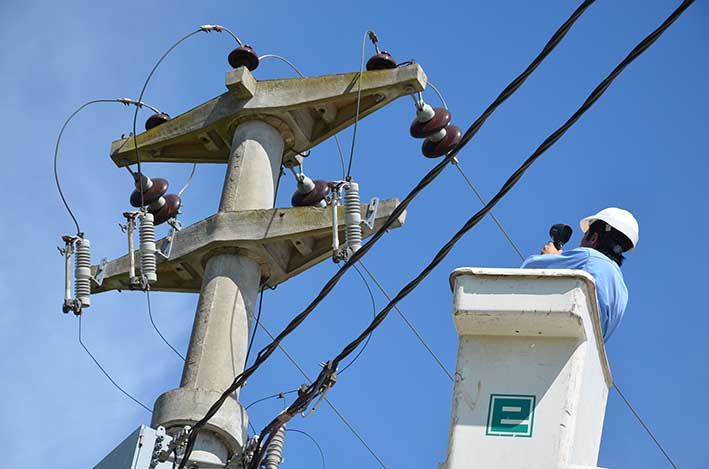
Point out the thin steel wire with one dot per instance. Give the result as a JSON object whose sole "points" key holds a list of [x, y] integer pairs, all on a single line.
{"points": [[105, 373], [647, 429], [140, 98], [440, 95], [455, 162], [329, 403], [409, 323], [322, 454], [56, 154], [359, 100], [152, 321]]}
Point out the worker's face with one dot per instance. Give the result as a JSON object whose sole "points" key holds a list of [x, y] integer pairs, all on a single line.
{"points": [[590, 240]]}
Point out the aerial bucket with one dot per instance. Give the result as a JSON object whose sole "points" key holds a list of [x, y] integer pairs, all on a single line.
{"points": [[532, 376]]}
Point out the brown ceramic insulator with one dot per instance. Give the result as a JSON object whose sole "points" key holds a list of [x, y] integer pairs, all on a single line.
{"points": [[169, 210], [156, 191], [441, 118], [432, 149], [243, 56], [313, 197], [381, 61], [155, 120]]}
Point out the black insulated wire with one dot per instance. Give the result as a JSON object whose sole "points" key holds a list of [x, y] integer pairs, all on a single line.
{"points": [[315, 442], [374, 312], [306, 397], [257, 321], [268, 350], [152, 321], [105, 373]]}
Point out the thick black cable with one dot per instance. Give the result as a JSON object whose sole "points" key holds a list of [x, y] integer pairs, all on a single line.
{"points": [[105, 373], [396, 213], [152, 321], [306, 397], [322, 454], [374, 312]]}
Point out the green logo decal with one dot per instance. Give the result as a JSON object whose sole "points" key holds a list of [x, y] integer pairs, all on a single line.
{"points": [[510, 415]]}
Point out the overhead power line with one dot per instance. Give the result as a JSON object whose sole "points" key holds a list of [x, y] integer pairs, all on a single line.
{"points": [[320, 384], [396, 213]]}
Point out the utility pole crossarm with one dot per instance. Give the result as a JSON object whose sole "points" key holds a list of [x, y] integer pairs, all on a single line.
{"points": [[284, 241], [306, 111]]}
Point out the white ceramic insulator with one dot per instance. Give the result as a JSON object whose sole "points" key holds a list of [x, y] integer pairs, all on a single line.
{"points": [[353, 218], [274, 452], [305, 184], [148, 259], [143, 183], [438, 136], [82, 272], [425, 114], [157, 205]]}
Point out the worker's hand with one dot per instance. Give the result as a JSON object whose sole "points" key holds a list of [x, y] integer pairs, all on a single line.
{"points": [[549, 248]]}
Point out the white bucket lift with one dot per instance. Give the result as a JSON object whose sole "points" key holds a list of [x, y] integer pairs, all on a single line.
{"points": [[532, 376]]}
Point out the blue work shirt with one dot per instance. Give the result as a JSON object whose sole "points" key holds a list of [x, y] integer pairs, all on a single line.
{"points": [[610, 288]]}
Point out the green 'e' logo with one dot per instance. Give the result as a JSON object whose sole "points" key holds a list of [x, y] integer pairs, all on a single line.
{"points": [[510, 415]]}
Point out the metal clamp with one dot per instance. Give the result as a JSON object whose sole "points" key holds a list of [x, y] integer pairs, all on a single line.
{"points": [[166, 248], [371, 215], [328, 382]]}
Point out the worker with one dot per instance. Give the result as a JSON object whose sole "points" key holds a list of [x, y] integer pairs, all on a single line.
{"points": [[607, 235]]}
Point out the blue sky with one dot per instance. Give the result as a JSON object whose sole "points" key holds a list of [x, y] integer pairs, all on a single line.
{"points": [[642, 147]]}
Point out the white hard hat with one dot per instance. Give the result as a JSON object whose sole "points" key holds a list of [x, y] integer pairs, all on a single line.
{"points": [[621, 220]]}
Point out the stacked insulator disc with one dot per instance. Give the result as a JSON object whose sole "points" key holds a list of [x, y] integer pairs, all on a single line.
{"points": [[163, 207], [244, 56], [381, 61], [433, 124], [156, 119], [310, 193]]}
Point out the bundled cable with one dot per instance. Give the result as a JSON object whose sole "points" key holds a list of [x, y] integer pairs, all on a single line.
{"points": [[322, 383], [267, 351]]}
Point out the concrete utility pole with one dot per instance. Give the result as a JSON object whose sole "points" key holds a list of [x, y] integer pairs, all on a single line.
{"points": [[248, 244]]}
